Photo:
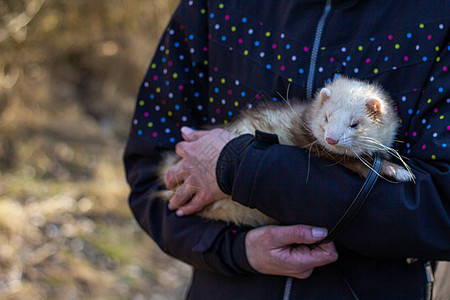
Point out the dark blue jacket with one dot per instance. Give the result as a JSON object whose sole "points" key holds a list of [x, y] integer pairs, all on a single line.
{"points": [[219, 57]]}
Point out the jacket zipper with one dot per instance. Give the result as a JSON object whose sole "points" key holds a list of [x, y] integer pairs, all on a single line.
{"points": [[309, 90], [315, 50], [287, 288]]}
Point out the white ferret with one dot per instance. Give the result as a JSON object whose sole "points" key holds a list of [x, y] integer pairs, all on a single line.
{"points": [[348, 122]]}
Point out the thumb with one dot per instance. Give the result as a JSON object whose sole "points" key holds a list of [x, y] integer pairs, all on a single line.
{"points": [[191, 135], [297, 234]]}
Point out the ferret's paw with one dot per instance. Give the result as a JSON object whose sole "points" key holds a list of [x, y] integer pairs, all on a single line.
{"points": [[403, 175], [400, 174], [397, 172]]}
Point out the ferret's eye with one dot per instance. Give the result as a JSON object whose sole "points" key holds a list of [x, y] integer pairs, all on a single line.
{"points": [[354, 125]]}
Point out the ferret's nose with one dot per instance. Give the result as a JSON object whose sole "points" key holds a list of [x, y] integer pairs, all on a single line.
{"points": [[331, 141]]}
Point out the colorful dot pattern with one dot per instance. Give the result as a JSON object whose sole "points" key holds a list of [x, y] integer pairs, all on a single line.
{"points": [[220, 60]]}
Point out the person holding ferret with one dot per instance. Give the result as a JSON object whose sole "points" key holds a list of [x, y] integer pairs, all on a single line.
{"points": [[218, 58]]}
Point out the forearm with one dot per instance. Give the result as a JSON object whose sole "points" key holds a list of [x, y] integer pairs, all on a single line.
{"points": [[207, 245], [393, 222]]}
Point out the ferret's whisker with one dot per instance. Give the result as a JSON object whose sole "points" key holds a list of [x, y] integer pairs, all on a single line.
{"points": [[370, 167], [305, 126], [337, 162], [394, 153], [287, 91], [309, 145], [309, 160], [382, 147], [281, 96]]}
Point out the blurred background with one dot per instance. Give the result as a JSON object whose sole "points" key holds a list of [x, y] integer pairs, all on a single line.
{"points": [[69, 73]]}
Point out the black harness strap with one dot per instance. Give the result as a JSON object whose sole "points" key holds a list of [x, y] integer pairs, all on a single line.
{"points": [[357, 203]]}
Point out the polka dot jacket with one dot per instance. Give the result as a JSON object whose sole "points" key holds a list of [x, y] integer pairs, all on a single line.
{"points": [[217, 58], [209, 67]]}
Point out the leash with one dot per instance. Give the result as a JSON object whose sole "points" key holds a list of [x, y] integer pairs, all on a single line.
{"points": [[347, 218], [357, 203]]}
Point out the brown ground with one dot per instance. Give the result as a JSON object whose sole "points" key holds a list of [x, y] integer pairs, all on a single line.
{"points": [[442, 284], [69, 71]]}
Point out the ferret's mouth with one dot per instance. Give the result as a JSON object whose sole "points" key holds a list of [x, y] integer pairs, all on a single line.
{"points": [[340, 149]]}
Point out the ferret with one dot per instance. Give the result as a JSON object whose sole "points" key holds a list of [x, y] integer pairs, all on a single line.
{"points": [[348, 121]]}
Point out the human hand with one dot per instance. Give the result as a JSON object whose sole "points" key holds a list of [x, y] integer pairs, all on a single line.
{"points": [[284, 250], [197, 171]]}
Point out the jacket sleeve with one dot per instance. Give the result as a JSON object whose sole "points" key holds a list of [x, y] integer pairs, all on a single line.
{"points": [[175, 75], [397, 221]]}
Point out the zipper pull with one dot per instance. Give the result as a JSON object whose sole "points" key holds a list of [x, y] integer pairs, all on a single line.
{"points": [[430, 280]]}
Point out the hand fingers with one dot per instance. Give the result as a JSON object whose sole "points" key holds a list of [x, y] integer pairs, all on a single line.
{"points": [[321, 256], [185, 149], [325, 254], [180, 149], [193, 206], [182, 195], [191, 135], [176, 175], [303, 275], [297, 234], [302, 260]]}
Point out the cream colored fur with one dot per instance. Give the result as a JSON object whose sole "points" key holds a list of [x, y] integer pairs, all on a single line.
{"points": [[300, 124], [224, 210]]}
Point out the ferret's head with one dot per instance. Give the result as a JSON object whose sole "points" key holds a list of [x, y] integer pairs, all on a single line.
{"points": [[353, 118]]}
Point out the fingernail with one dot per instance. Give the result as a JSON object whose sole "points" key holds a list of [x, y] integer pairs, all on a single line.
{"points": [[186, 130], [169, 206], [318, 232], [179, 213]]}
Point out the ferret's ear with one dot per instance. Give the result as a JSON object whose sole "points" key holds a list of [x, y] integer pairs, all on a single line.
{"points": [[374, 107], [324, 95]]}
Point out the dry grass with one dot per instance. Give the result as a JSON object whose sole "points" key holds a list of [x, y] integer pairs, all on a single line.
{"points": [[69, 71]]}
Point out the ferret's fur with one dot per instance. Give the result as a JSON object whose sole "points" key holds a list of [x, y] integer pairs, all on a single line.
{"points": [[348, 122]]}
